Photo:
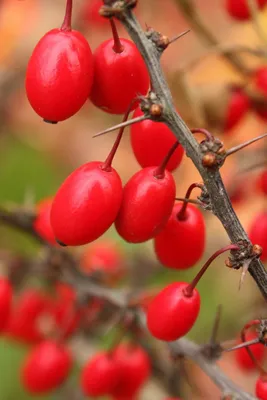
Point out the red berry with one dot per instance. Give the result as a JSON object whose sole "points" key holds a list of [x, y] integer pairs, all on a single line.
{"points": [[261, 80], [135, 369], [147, 204], [173, 312], [42, 225], [238, 106], [59, 75], [261, 388], [90, 14], [242, 357], [151, 141], [86, 204], [100, 375], [239, 9], [262, 182], [46, 367], [6, 294], [258, 233], [23, 322], [104, 258], [119, 77], [181, 243], [64, 312]]}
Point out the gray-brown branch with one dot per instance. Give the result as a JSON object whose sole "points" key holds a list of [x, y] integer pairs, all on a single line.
{"points": [[221, 204]]}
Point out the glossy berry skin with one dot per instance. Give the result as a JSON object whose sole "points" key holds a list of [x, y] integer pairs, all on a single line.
{"points": [[239, 9], [42, 225], [23, 322], [104, 259], [237, 107], [100, 375], [261, 388], [258, 233], [46, 367], [118, 77], [171, 314], [86, 204], [59, 75], [6, 294], [146, 205], [156, 137], [262, 182], [242, 357], [135, 369], [181, 243]]}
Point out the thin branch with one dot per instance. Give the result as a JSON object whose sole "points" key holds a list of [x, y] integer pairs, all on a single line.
{"points": [[220, 202], [189, 10]]}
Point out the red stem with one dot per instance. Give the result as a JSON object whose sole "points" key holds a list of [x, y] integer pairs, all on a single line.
{"points": [[117, 47], [159, 172], [66, 25], [189, 289], [182, 213], [208, 135], [106, 166]]}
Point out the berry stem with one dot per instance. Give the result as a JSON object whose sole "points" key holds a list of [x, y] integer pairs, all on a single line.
{"points": [[66, 25], [159, 172], [205, 132], [243, 145], [189, 289], [182, 213], [117, 47], [106, 166]]}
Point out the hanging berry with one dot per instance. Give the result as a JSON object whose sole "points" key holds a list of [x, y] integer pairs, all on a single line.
{"points": [[120, 74], [173, 312], [242, 357], [42, 225], [90, 14], [100, 375], [6, 294], [151, 141], [261, 388], [88, 201], [105, 259], [135, 369], [239, 9], [59, 74], [258, 232], [181, 242], [262, 182], [46, 367], [237, 107], [147, 202], [23, 322]]}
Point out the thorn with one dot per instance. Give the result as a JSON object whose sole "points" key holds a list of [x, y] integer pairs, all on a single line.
{"points": [[245, 268], [122, 125], [216, 324], [243, 145], [242, 345], [180, 35]]}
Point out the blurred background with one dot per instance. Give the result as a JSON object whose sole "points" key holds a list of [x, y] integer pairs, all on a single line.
{"points": [[35, 157]]}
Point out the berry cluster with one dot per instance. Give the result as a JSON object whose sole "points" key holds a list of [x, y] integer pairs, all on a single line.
{"points": [[92, 199]]}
